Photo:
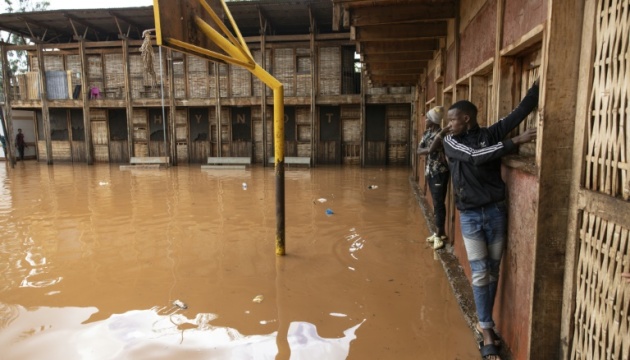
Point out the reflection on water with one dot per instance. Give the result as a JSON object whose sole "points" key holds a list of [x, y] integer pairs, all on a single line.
{"points": [[92, 259]]}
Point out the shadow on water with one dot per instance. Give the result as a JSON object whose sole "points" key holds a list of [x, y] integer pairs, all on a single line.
{"points": [[98, 263]]}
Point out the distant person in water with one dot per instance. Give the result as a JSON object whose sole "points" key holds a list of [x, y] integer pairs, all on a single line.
{"points": [[20, 144]]}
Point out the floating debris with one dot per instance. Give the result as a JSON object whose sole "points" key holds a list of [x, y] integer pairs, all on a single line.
{"points": [[372, 186], [329, 212], [322, 200], [258, 299], [103, 183], [180, 304]]}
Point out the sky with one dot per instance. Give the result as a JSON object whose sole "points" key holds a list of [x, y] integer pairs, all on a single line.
{"points": [[87, 4]]}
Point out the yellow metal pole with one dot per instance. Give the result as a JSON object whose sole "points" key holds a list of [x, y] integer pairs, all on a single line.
{"points": [[278, 120]]}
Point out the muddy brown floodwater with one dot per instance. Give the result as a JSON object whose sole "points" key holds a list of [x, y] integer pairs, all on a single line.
{"points": [[92, 259]]}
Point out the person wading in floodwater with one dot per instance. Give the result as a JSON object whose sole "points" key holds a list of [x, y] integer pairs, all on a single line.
{"points": [[20, 144], [436, 172], [474, 158]]}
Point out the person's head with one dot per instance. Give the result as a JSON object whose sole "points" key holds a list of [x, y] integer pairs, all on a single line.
{"points": [[434, 116], [19, 130], [462, 115]]}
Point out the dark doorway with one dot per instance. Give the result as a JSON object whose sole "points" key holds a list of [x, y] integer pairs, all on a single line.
{"points": [[78, 135], [375, 135], [157, 142], [199, 134], [118, 135], [241, 132], [329, 149]]}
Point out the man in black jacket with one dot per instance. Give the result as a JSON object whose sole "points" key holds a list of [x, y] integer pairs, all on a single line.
{"points": [[474, 156]]}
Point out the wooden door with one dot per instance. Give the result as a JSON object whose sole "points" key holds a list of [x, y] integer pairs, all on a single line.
{"points": [[375, 135], [241, 145], [329, 149], [199, 136]]}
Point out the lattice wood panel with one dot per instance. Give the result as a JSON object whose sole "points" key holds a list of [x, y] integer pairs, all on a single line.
{"points": [[330, 71], [284, 69], [608, 140], [601, 321]]}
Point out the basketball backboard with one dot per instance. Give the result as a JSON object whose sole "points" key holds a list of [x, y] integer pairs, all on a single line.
{"points": [[176, 20]]}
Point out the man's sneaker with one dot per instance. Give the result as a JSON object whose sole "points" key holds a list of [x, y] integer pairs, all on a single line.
{"points": [[438, 243], [432, 238]]}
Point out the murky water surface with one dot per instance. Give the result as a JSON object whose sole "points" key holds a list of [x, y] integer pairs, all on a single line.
{"points": [[93, 258]]}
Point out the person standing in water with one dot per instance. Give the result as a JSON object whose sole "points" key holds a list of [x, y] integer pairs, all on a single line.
{"points": [[436, 172], [20, 144]]}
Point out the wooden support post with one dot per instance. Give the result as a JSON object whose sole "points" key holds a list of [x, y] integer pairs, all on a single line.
{"points": [[263, 98], [363, 123], [582, 113], [218, 106], [7, 118], [129, 106], [44, 102], [85, 91], [314, 89], [561, 58], [171, 108]]}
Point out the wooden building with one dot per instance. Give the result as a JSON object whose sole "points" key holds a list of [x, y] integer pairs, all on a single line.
{"points": [[95, 99], [561, 294]]}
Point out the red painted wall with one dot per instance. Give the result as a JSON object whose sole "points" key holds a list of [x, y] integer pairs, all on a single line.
{"points": [[478, 39], [520, 17], [451, 64], [431, 85], [513, 303]]}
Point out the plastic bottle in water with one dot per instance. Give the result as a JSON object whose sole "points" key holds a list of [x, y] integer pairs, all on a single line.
{"points": [[244, 186]]}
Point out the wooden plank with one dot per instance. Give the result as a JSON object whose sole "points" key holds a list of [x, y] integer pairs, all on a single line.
{"points": [[394, 14], [229, 160], [293, 160], [392, 32], [558, 95], [223, 167], [149, 160]]}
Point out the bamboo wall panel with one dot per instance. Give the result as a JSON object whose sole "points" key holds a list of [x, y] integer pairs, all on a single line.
{"points": [[53, 63], [198, 79], [304, 76], [141, 149], [397, 130], [179, 76], [602, 299], [136, 75], [73, 63], [240, 81], [32, 85], [114, 71], [95, 71], [330, 71], [284, 69], [223, 80], [608, 136]]}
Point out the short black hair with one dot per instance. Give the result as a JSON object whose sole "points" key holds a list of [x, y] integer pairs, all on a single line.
{"points": [[466, 107]]}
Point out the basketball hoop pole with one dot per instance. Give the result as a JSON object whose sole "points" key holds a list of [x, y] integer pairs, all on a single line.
{"points": [[238, 54]]}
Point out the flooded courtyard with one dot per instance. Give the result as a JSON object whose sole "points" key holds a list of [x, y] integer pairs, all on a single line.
{"points": [[179, 263]]}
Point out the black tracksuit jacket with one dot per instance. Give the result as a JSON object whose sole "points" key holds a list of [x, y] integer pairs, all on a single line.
{"points": [[474, 157]]}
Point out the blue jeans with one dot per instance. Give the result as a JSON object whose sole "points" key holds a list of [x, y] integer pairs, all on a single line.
{"points": [[484, 232]]}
